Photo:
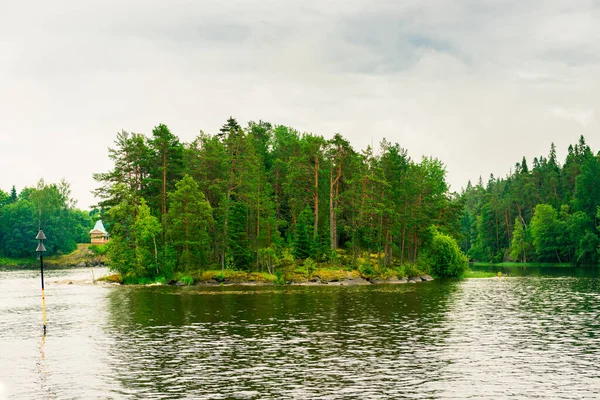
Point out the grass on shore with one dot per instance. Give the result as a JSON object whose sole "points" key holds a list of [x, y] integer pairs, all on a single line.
{"points": [[480, 274], [296, 271], [17, 262], [518, 264], [325, 273]]}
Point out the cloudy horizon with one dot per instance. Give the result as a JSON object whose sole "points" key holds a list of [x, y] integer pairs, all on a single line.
{"points": [[477, 84]]}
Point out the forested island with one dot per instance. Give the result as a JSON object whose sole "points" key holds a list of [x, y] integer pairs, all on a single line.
{"points": [[267, 199], [268, 203]]}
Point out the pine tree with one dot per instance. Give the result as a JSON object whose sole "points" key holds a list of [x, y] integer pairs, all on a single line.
{"points": [[189, 219]]}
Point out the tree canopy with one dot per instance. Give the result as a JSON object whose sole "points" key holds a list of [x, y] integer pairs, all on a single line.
{"points": [[48, 207], [546, 213], [246, 197]]}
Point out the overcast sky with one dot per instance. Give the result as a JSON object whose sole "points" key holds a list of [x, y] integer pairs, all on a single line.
{"points": [[478, 84]]}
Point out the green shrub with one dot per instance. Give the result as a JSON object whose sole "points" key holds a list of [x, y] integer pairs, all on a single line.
{"points": [[279, 280], [411, 269], [98, 249], [309, 266], [445, 257], [400, 270], [388, 273], [185, 279], [366, 269], [134, 280]]}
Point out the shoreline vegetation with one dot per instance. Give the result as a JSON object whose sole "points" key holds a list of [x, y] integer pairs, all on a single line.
{"points": [[522, 264], [331, 277]]}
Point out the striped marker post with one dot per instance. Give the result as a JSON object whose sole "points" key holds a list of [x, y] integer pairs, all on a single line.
{"points": [[41, 249]]}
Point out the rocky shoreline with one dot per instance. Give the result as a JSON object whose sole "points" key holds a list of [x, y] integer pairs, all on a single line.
{"points": [[319, 282], [312, 282]]}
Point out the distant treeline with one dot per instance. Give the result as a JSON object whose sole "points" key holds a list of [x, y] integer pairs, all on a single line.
{"points": [[251, 198], [46, 206], [546, 213]]}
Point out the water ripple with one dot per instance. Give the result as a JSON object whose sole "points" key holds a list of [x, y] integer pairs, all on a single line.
{"points": [[529, 337]]}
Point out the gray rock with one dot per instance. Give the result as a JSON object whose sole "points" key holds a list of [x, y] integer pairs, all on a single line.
{"points": [[356, 281], [415, 279], [426, 278], [82, 264], [396, 281], [379, 281], [178, 283]]}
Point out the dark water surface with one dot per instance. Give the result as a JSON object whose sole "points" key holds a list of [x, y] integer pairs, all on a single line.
{"points": [[535, 336]]}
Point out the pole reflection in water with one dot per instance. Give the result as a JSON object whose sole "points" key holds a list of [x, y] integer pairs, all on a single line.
{"points": [[41, 366]]}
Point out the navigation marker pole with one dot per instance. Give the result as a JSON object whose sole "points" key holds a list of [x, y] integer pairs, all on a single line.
{"points": [[41, 249]]}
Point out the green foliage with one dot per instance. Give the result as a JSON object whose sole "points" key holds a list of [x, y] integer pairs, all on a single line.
{"points": [[303, 244], [249, 198], [366, 269], [310, 266], [189, 220], [267, 258], [98, 249], [445, 257], [220, 277], [544, 232], [47, 206], [144, 280], [480, 274], [519, 244], [239, 249], [553, 207], [413, 269], [185, 279]]}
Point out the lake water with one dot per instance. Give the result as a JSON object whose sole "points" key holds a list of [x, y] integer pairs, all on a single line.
{"points": [[535, 336]]}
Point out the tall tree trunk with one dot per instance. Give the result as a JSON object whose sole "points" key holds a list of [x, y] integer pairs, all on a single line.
{"points": [[316, 227], [164, 188], [333, 205], [256, 239], [403, 233], [331, 216]]}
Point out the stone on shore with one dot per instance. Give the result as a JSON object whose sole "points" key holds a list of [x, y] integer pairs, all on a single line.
{"points": [[355, 281]]}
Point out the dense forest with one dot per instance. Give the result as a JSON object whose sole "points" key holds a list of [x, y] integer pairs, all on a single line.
{"points": [[46, 206], [547, 212], [262, 197]]}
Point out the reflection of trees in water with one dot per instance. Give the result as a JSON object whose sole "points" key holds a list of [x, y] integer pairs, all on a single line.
{"points": [[214, 339]]}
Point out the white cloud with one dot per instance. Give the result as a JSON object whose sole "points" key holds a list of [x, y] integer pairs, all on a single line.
{"points": [[584, 117], [478, 84]]}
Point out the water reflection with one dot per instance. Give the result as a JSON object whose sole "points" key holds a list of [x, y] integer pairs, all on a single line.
{"points": [[282, 342], [532, 336]]}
